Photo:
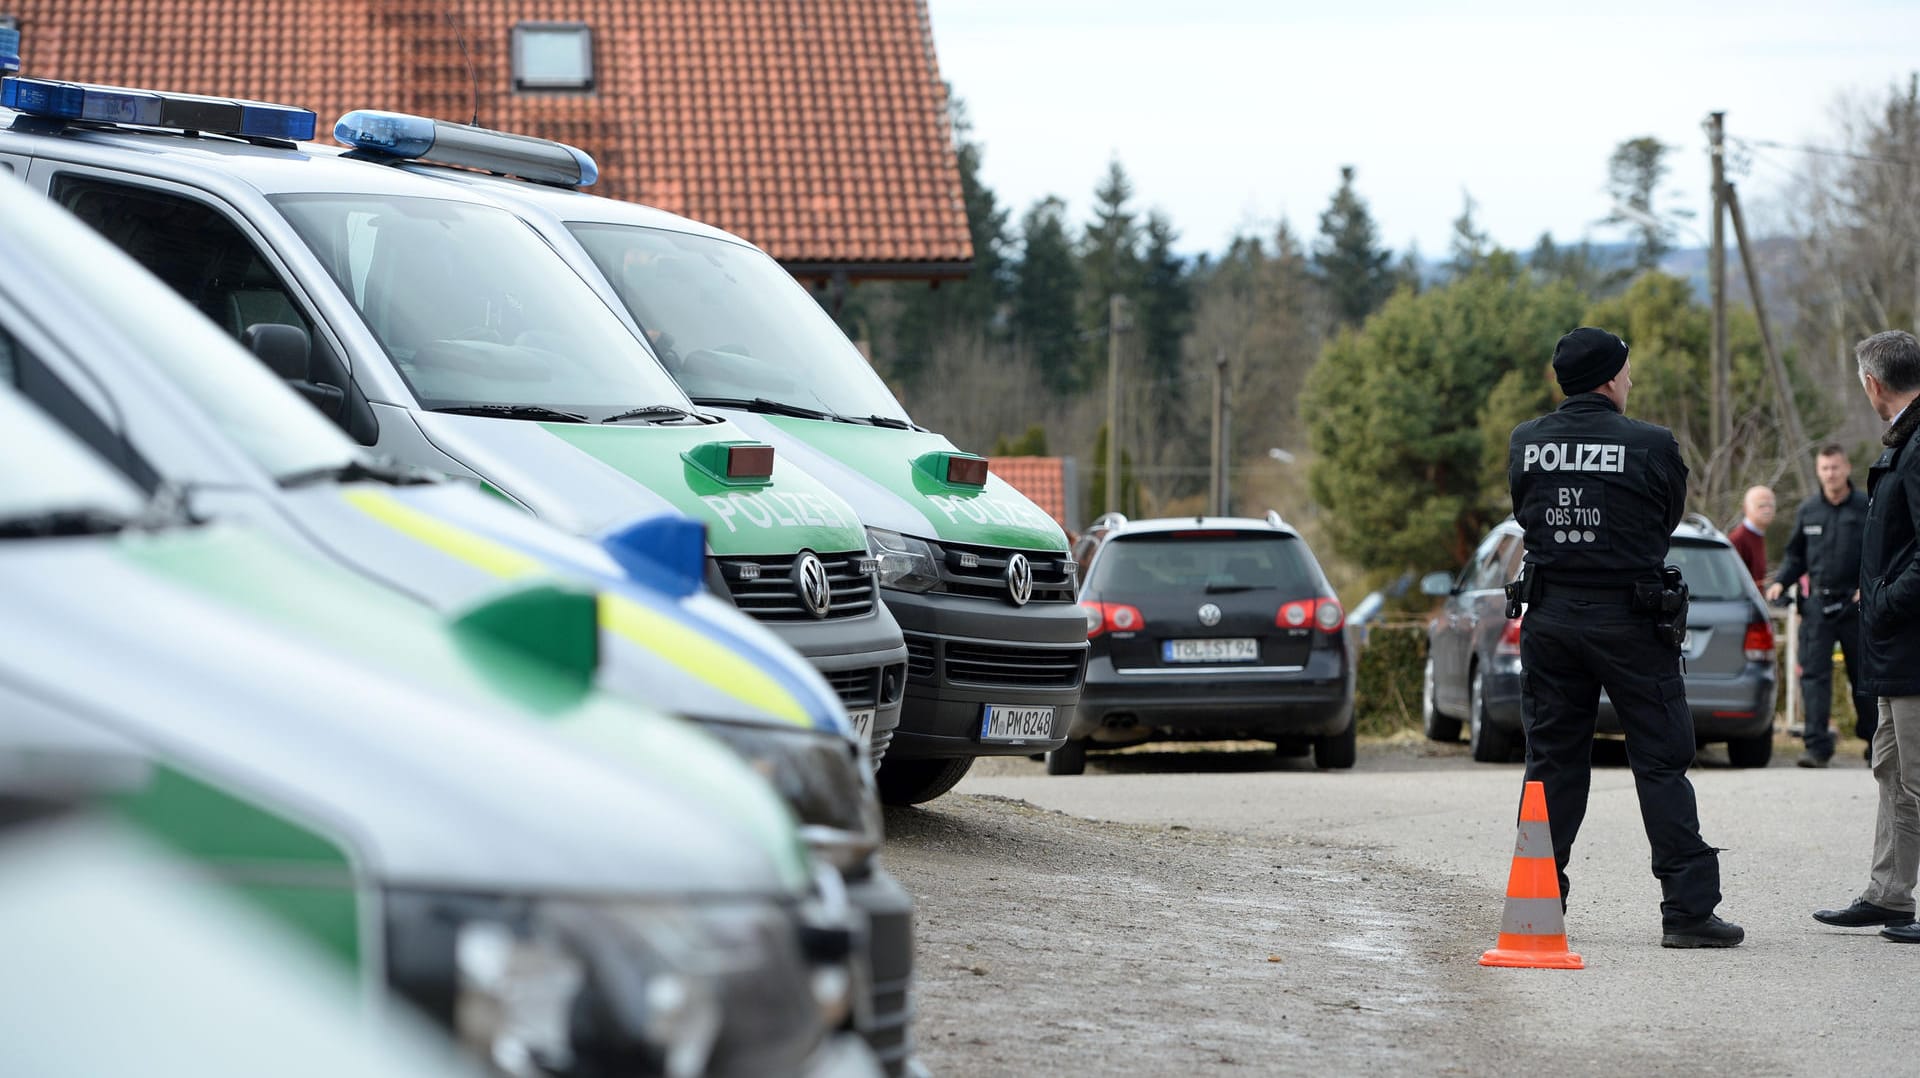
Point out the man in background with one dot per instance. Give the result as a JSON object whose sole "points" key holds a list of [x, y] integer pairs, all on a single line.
{"points": [[1890, 662], [1750, 535], [1827, 529]]}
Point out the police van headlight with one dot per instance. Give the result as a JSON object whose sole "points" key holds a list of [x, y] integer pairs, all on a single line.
{"points": [[906, 563], [821, 777]]}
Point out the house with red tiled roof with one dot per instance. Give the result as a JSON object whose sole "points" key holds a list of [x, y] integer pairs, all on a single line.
{"points": [[814, 128], [1048, 482]]}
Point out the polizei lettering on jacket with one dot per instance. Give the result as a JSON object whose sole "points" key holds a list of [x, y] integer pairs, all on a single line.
{"points": [[1573, 457], [774, 509]]}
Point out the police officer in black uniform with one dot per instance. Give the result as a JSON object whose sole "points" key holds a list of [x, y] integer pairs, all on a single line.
{"points": [[1598, 495], [1828, 529]]}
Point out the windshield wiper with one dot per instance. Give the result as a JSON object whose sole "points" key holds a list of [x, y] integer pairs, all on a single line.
{"points": [[513, 411], [61, 522], [889, 421], [1222, 589], [652, 413], [356, 471], [770, 407]]}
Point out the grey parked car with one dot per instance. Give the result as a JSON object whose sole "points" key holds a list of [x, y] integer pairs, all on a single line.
{"points": [[1473, 666]]}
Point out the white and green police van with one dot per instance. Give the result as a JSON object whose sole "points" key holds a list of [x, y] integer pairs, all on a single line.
{"points": [[191, 414], [978, 576], [445, 334], [433, 801]]}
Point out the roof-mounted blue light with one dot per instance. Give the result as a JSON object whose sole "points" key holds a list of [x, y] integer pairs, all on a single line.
{"points": [[9, 50], [421, 138], [149, 108]]}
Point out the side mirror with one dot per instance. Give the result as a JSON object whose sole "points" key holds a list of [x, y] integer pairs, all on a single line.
{"points": [[1437, 584], [288, 352]]}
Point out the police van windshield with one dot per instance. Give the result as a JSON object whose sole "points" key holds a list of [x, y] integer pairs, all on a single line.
{"points": [[474, 309], [1713, 572], [1202, 561], [729, 323]]}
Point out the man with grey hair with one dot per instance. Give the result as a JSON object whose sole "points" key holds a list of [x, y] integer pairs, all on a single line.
{"points": [[1890, 638]]}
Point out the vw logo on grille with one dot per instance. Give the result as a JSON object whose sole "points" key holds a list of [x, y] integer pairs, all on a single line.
{"points": [[1019, 579], [810, 578], [1209, 614]]}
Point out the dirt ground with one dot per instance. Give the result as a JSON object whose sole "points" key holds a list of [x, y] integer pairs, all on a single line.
{"points": [[1056, 945]]}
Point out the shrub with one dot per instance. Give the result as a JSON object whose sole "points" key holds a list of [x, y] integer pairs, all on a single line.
{"points": [[1386, 694]]}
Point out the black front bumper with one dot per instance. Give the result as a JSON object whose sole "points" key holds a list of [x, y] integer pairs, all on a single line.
{"points": [[966, 653], [1315, 701]]}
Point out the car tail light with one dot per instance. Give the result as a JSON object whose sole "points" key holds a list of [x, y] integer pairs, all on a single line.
{"points": [[1759, 642], [1509, 639], [1112, 618], [1328, 616], [1324, 614]]}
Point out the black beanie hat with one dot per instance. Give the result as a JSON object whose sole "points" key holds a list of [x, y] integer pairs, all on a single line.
{"points": [[1587, 359]]}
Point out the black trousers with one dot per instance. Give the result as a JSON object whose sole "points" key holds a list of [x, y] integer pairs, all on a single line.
{"points": [[1570, 649], [1818, 633]]}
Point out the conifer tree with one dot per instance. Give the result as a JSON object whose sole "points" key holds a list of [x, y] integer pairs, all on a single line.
{"points": [[1351, 263]]}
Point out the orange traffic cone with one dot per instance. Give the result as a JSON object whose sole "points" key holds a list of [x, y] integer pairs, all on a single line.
{"points": [[1533, 931]]}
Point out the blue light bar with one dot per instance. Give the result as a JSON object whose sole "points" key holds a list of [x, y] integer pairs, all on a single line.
{"points": [[421, 138], [9, 50], [184, 112]]}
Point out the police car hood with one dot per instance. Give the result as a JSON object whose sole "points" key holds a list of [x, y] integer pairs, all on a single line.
{"points": [[878, 470], [451, 546], [436, 770], [588, 478]]}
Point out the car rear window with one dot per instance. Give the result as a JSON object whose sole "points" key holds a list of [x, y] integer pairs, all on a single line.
{"points": [[1713, 573], [1202, 561]]}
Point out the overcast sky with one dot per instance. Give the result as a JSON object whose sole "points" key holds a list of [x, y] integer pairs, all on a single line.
{"points": [[1233, 113]]}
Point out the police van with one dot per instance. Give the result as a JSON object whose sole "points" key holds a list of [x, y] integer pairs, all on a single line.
{"points": [[977, 575], [188, 413], [381, 790], [443, 333]]}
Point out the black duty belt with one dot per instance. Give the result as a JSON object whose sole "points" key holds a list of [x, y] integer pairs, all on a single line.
{"points": [[1616, 593]]}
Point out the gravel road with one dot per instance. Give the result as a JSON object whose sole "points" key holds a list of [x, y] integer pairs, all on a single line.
{"points": [[1174, 913]]}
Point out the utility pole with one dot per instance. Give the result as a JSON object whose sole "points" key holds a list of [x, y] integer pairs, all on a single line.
{"points": [[1720, 417], [1222, 492], [1116, 315], [1790, 410]]}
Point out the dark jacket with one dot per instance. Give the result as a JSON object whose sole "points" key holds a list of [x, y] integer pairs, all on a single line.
{"points": [[1889, 570], [1826, 546], [1598, 494]]}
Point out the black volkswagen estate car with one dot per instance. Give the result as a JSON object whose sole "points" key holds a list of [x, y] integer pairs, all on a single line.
{"points": [[1473, 666], [1209, 628]]}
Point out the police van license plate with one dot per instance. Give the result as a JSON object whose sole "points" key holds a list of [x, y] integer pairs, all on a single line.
{"points": [[1228, 650], [1003, 722], [862, 720]]}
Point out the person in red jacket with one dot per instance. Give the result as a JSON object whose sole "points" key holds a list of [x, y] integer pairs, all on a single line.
{"points": [[1750, 535]]}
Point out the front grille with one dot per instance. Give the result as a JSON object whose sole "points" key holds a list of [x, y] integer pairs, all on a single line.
{"points": [[921, 652], [774, 595], [856, 688], [986, 576], [998, 664], [931, 659]]}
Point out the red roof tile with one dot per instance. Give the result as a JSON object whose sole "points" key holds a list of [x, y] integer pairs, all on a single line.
{"points": [[815, 128], [1042, 479]]}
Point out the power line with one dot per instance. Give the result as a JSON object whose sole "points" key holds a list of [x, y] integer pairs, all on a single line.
{"points": [[1824, 151]]}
